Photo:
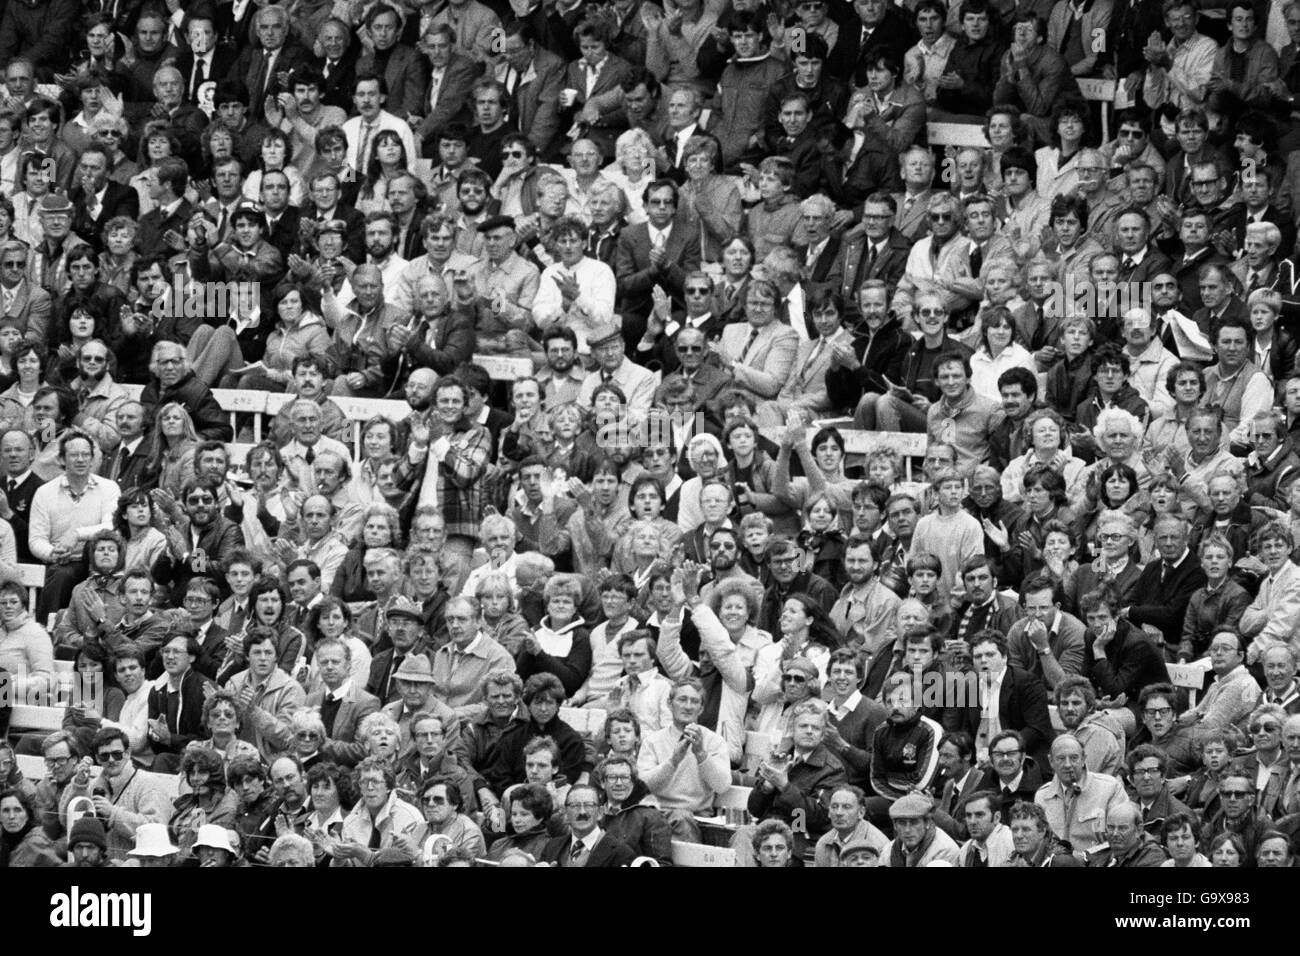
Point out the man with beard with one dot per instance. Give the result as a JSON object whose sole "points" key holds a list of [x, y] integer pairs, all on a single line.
{"points": [[98, 396], [562, 376], [904, 750], [1077, 802], [201, 541], [631, 813], [864, 612], [786, 561], [381, 252], [1099, 732]]}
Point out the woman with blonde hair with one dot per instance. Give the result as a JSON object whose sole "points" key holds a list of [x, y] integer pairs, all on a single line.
{"points": [[173, 443], [499, 613], [632, 170]]}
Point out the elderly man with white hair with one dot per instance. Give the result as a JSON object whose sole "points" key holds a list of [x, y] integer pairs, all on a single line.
{"points": [[941, 256], [1119, 437], [1149, 361], [173, 380], [1258, 267], [498, 537]]}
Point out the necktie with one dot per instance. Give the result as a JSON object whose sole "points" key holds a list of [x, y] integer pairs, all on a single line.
{"points": [[1254, 282], [728, 295], [1165, 571], [122, 455], [908, 203], [812, 361], [871, 256], [310, 457], [10, 487], [224, 223], [265, 85], [375, 836], [575, 854], [976, 261], [200, 75], [1128, 265], [363, 154], [606, 378], [749, 344]]}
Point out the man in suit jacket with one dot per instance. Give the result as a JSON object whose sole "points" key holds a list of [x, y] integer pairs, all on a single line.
{"points": [[403, 69], [1021, 700], [820, 254], [534, 77], [281, 218], [659, 252], [913, 216], [17, 452], [448, 95], [171, 212], [337, 65], [259, 66], [128, 463], [325, 205], [878, 27], [597, 72], [874, 250], [587, 845], [23, 303], [759, 354], [201, 50], [1139, 259], [1166, 585], [958, 779], [342, 704], [96, 199]]}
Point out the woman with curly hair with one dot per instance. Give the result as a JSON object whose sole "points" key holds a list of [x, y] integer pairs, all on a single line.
{"points": [[208, 799], [381, 527]]}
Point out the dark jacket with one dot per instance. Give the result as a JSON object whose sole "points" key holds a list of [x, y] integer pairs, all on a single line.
{"points": [[881, 356], [858, 729], [1131, 662], [805, 798], [1164, 603], [641, 825], [189, 726], [978, 65], [1022, 706], [1146, 852], [609, 852], [210, 421], [1030, 780], [217, 544], [509, 765]]}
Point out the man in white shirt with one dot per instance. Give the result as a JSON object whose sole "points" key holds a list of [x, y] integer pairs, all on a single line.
{"points": [[66, 512], [990, 839], [578, 291], [685, 765], [642, 689], [1179, 71], [369, 97]]}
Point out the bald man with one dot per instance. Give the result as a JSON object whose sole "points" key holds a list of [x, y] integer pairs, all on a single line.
{"points": [[1076, 802], [1129, 844]]}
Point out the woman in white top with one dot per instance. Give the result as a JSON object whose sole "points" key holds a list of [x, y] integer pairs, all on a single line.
{"points": [[275, 156], [632, 170], [998, 351], [1045, 432], [1058, 164]]}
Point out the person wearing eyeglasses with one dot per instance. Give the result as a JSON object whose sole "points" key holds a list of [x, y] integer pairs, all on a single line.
{"points": [[448, 829], [587, 845], [124, 797], [1148, 785], [98, 396], [1233, 693], [23, 303], [1268, 763], [432, 755], [632, 814]]}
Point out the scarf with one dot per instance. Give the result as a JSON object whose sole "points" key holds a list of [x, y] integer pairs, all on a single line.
{"points": [[898, 857], [10, 841]]}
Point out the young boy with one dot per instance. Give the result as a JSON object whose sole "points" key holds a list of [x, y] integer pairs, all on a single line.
{"points": [[950, 533], [1069, 379], [772, 222]]}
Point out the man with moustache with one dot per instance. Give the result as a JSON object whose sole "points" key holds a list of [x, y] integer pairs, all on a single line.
{"points": [[587, 844], [98, 396]]}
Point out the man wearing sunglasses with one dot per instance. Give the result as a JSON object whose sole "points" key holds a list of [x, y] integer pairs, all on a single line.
{"points": [[23, 304], [124, 797], [201, 541], [98, 396], [1237, 813], [666, 324]]}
